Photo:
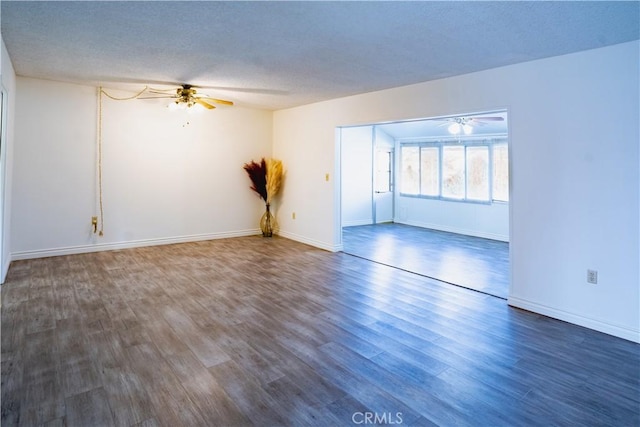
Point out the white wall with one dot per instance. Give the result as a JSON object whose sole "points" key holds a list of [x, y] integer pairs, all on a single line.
{"points": [[384, 140], [357, 175], [8, 83], [574, 178], [163, 181], [490, 221], [310, 153]]}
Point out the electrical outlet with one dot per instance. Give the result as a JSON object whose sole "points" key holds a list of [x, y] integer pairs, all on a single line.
{"points": [[592, 277]]}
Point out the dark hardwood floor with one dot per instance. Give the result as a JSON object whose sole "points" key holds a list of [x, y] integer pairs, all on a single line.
{"points": [[471, 262], [268, 332]]}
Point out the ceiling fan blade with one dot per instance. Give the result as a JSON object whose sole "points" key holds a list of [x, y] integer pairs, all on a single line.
{"points": [[487, 119], [215, 100], [245, 90], [157, 97], [116, 82], [204, 104]]}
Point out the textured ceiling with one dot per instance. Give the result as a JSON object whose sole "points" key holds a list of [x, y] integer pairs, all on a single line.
{"points": [[281, 54]]}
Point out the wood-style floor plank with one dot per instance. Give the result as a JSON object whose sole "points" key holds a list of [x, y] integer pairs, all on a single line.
{"points": [[42, 391], [271, 332], [468, 261], [124, 386], [89, 409], [205, 391], [247, 393]]}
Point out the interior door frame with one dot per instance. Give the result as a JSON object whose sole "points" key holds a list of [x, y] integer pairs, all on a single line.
{"points": [[3, 168], [510, 217]]}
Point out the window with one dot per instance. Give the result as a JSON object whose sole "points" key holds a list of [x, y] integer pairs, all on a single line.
{"points": [[430, 167], [473, 170], [500, 172], [410, 176], [478, 173], [453, 172]]}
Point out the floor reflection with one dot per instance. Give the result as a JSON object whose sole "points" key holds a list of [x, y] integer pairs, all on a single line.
{"points": [[471, 262]]}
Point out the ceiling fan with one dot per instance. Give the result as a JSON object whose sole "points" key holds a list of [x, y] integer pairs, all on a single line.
{"points": [[186, 96], [465, 124]]}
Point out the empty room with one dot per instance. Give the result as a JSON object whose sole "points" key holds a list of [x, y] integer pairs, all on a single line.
{"points": [[177, 189]]}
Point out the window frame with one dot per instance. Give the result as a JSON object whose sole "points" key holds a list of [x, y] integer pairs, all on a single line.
{"points": [[488, 142]]}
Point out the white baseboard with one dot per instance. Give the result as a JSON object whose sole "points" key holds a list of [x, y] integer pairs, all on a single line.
{"points": [[607, 328], [466, 232], [310, 242], [71, 250], [358, 222]]}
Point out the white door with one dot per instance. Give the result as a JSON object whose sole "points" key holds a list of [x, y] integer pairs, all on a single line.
{"points": [[383, 185]]}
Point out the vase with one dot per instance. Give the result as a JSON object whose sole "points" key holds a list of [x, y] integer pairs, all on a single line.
{"points": [[267, 222]]}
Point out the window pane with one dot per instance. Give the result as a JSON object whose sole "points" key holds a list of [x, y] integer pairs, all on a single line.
{"points": [[383, 172], [430, 173], [478, 173], [453, 172], [409, 158], [501, 172]]}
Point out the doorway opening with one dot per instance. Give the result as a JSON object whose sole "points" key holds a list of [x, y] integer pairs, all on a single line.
{"points": [[3, 149], [431, 196]]}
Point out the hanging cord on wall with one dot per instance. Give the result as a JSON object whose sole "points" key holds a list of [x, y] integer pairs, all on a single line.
{"points": [[101, 233], [125, 98], [101, 91]]}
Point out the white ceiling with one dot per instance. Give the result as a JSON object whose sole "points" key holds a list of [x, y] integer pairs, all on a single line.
{"points": [[281, 54]]}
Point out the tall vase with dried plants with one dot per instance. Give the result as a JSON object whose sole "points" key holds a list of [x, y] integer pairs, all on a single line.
{"points": [[266, 180], [267, 222]]}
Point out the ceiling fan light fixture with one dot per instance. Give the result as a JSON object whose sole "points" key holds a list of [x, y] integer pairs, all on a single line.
{"points": [[467, 129], [179, 104], [454, 128], [186, 97], [194, 107]]}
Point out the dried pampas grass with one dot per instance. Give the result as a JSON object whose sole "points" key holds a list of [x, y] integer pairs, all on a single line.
{"points": [[258, 174], [266, 177], [274, 178]]}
